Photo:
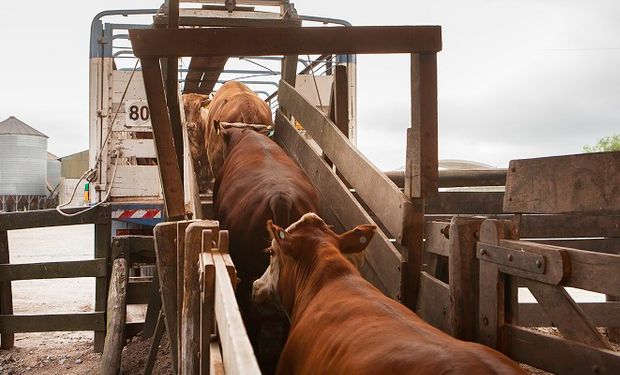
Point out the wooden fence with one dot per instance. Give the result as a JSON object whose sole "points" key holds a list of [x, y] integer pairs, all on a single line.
{"points": [[99, 267]]}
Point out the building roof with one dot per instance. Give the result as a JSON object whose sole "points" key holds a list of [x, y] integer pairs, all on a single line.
{"points": [[13, 125], [51, 156]]}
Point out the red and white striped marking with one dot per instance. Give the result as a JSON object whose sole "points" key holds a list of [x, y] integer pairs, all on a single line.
{"points": [[137, 214]]}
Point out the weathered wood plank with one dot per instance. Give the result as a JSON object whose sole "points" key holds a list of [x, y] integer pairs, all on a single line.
{"points": [[463, 275], [189, 361], [114, 340], [207, 298], [103, 238], [54, 270], [266, 41], [181, 228], [138, 292], [50, 218], [584, 183], [602, 314], [217, 365], [354, 167], [169, 172], [52, 322], [598, 245], [471, 203], [421, 166], [595, 272], [434, 302], [566, 315], [7, 340], [381, 253], [437, 238], [544, 351], [165, 250], [569, 226], [519, 259], [339, 102], [237, 353]]}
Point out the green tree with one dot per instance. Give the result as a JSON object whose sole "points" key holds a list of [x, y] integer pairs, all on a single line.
{"points": [[610, 143]]}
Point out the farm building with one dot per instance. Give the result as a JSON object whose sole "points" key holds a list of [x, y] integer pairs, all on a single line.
{"points": [[23, 166]]}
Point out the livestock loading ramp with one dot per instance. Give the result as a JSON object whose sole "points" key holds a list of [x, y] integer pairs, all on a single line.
{"points": [[393, 259]]}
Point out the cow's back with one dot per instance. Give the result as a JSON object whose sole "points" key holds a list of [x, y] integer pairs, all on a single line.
{"points": [[258, 182], [351, 328]]}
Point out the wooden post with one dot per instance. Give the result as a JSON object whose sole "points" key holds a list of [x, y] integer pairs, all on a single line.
{"points": [[152, 357], [413, 242], [289, 69], [463, 276], [189, 360], [169, 171], [180, 241], [339, 103], [111, 358], [613, 332], [496, 308], [103, 238], [7, 340], [207, 298], [421, 168], [165, 251]]}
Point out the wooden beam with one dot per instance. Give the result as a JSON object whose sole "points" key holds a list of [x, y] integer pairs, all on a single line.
{"points": [[421, 168], [165, 249], [343, 209], [7, 340], [339, 103], [555, 265], [265, 41], [169, 172], [464, 277], [52, 322], [189, 361], [54, 270], [569, 226], [566, 315], [103, 239], [464, 202], [354, 167], [117, 304], [583, 183], [207, 300], [535, 348], [603, 314], [437, 240], [459, 177], [237, 352], [203, 73], [50, 218], [180, 254], [434, 302]]}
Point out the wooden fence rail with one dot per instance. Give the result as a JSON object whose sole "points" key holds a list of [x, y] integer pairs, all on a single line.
{"points": [[99, 268]]}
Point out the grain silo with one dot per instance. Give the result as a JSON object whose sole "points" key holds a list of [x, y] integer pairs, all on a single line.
{"points": [[23, 165]]}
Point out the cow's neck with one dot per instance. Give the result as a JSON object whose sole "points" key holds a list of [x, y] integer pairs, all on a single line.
{"points": [[327, 266]]}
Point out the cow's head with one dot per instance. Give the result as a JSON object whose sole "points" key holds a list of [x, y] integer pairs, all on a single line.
{"points": [[299, 249]]}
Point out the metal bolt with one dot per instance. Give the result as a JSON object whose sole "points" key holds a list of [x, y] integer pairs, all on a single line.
{"points": [[483, 252], [538, 263], [509, 257], [485, 321]]}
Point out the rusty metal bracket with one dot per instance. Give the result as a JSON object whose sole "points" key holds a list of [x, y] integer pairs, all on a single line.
{"points": [[520, 259]]}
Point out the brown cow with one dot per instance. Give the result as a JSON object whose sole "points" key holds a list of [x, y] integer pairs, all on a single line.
{"points": [[233, 102], [196, 119], [341, 324], [258, 182]]}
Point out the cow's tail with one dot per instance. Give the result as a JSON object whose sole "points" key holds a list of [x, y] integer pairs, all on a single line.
{"points": [[281, 205]]}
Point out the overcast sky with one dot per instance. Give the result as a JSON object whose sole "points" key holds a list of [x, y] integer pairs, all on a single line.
{"points": [[517, 79]]}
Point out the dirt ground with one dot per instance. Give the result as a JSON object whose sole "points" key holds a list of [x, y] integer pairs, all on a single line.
{"points": [[68, 353]]}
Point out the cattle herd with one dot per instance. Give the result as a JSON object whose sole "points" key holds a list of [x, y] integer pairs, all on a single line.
{"points": [[310, 312]]}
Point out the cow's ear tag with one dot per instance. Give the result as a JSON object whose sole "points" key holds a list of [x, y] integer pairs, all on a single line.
{"points": [[281, 234], [363, 239]]}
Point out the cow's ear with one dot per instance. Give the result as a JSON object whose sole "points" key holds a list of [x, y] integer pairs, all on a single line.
{"points": [[281, 237], [205, 101], [356, 239]]}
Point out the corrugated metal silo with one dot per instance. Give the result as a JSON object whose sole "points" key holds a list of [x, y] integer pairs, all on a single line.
{"points": [[53, 171], [23, 159]]}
